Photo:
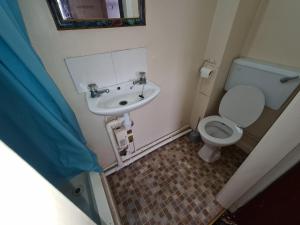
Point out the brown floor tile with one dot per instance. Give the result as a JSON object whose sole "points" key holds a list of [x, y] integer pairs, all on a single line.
{"points": [[172, 185]]}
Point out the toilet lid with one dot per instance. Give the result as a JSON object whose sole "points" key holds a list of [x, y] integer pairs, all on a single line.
{"points": [[242, 104]]}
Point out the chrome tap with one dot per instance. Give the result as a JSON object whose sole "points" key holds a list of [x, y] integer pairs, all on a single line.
{"points": [[141, 80], [95, 92]]}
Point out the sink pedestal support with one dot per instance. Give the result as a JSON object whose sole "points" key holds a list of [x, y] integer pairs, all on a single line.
{"points": [[127, 121]]}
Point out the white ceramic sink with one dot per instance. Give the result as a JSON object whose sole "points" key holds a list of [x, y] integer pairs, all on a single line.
{"points": [[122, 98]]}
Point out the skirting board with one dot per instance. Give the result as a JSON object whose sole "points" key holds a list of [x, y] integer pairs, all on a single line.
{"points": [[111, 201], [151, 147]]}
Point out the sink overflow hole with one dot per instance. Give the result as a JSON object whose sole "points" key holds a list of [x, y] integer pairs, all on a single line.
{"points": [[123, 103], [77, 190]]}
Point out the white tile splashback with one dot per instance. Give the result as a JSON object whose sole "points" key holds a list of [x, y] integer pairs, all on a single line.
{"points": [[128, 63], [106, 69], [91, 69]]}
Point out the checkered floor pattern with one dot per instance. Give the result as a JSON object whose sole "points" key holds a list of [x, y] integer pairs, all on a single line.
{"points": [[172, 185]]}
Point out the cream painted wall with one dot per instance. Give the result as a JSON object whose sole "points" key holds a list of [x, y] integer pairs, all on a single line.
{"points": [[274, 37], [275, 33], [286, 163], [219, 33], [230, 25], [175, 37], [261, 29], [278, 143], [243, 17]]}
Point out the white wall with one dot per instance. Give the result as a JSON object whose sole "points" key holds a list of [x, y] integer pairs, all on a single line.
{"points": [[274, 36], [290, 160], [28, 199], [230, 25], [262, 29], [275, 33], [175, 37], [279, 141]]}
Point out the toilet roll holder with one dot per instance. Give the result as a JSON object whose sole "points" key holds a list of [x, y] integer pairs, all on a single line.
{"points": [[207, 64], [211, 62]]}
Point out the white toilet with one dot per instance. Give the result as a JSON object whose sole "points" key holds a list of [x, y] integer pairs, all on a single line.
{"points": [[240, 107]]}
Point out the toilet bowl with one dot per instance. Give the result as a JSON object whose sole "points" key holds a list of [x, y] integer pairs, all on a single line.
{"points": [[240, 107]]}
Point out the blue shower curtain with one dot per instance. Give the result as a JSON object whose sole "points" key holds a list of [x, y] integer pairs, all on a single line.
{"points": [[35, 119]]}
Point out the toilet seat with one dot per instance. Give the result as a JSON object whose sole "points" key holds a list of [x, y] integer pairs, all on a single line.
{"points": [[239, 107], [219, 122], [242, 104]]}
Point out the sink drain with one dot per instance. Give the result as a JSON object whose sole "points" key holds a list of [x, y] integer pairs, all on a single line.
{"points": [[123, 103]]}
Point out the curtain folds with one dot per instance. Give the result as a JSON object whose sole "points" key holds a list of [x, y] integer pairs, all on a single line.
{"points": [[35, 119]]}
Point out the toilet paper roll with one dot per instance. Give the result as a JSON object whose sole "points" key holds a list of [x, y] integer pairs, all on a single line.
{"points": [[206, 72]]}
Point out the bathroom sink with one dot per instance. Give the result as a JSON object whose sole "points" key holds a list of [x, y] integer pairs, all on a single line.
{"points": [[122, 98]]}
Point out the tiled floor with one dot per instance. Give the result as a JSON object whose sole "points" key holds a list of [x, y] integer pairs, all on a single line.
{"points": [[172, 185]]}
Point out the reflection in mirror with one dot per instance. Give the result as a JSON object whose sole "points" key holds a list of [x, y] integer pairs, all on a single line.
{"points": [[81, 14], [98, 9]]}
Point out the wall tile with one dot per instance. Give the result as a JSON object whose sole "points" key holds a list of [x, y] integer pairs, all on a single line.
{"points": [[106, 69], [128, 63], [96, 68]]}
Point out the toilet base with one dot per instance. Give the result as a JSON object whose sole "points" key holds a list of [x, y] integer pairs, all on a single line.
{"points": [[209, 153]]}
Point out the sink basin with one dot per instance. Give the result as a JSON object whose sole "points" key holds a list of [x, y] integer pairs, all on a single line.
{"points": [[122, 98]]}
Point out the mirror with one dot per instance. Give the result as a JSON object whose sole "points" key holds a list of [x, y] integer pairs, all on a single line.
{"points": [[84, 14]]}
